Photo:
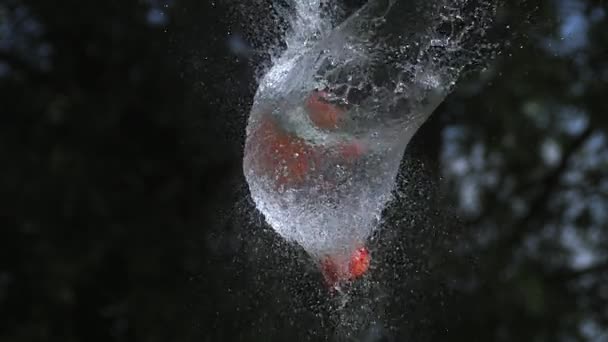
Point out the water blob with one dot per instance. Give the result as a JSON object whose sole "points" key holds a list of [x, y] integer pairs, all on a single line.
{"points": [[333, 115]]}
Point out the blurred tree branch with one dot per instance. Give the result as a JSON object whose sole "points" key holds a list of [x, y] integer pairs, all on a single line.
{"points": [[504, 245], [550, 183]]}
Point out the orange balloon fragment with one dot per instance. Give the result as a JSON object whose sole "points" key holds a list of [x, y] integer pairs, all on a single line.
{"points": [[288, 158], [322, 113], [336, 271], [359, 262], [351, 151], [330, 271]]}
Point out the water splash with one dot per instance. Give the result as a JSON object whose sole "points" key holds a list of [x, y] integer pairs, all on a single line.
{"points": [[376, 77]]}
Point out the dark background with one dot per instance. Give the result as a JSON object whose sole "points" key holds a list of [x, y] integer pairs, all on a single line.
{"points": [[125, 216]]}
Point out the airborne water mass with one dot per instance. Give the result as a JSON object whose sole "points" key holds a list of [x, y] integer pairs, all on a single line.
{"points": [[334, 113]]}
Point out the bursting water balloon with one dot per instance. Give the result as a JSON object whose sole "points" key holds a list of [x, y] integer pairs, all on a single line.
{"points": [[332, 117]]}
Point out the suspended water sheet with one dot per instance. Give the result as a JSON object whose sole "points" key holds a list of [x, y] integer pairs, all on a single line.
{"points": [[333, 115]]}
